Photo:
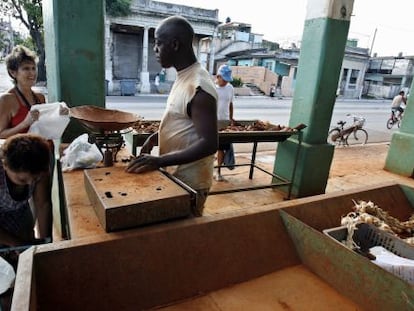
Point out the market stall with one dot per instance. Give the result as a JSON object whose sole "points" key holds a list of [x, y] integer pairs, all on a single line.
{"points": [[246, 132]]}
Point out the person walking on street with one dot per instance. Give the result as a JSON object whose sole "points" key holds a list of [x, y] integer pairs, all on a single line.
{"points": [[225, 100], [188, 134], [157, 80], [272, 90]]}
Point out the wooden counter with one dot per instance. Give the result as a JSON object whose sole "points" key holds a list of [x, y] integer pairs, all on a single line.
{"points": [[78, 216], [107, 199], [81, 219], [273, 258]]}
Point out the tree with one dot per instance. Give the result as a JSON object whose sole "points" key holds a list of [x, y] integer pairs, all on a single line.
{"points": [[29, 13], [2, 41], [118, 8]]}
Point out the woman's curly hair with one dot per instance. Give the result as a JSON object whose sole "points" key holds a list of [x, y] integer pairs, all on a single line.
{"points": [[26, 153]]}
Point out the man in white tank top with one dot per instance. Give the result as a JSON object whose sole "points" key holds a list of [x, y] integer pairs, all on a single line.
{"points": [[188, 135]]}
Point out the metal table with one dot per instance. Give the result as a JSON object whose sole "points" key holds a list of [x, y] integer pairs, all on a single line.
{"points": [[256, 137], [137, 139]]}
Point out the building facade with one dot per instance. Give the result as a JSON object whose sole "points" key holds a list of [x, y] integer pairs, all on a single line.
{"points": [[282, 66], [131, 65], [387, 76], [352, 75]]}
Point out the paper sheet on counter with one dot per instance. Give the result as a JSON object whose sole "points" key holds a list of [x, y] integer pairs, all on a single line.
{"points": [[51, 122]]}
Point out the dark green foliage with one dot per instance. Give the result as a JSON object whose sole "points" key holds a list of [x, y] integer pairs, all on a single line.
{"points": [[237, 82], [117, 8]]}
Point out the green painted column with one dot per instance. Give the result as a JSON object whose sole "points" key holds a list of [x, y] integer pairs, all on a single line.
{"points": [[400, 157], [321, 54], [75, 56]]}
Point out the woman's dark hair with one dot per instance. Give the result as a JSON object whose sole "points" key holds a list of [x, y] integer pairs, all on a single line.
{"points": [[26, 153], [17, 56]]}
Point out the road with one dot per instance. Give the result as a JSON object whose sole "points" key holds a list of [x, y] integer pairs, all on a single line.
{"points": [[276, 111], [264, 108]]}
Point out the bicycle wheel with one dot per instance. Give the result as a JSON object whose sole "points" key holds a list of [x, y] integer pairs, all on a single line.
{"points": [[390, 123], [334, 137], [358, 137]]}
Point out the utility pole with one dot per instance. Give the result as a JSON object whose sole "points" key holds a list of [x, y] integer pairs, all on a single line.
{"points": [[372, 43]]}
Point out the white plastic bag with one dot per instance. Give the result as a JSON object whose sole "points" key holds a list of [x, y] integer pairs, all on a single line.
{"points": [[51, 122], [7, 275], [400, 266], [80, 154]]}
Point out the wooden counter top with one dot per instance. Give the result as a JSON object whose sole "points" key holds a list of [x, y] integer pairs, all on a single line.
{"points": [[82, 219], [106, 199], [81, 216]]}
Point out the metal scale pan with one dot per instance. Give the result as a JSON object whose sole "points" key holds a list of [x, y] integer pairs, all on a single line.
{"points": [[100, 120], [104, 127]]}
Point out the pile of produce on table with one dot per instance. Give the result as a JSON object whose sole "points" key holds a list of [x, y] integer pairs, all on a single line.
{"points": [[149, 127], [146, 127], [255, 126]]}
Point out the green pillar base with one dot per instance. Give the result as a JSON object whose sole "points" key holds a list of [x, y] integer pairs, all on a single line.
{"points": [[400, 157], [312, 169]]}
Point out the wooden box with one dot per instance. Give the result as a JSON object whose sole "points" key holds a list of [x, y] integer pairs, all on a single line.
{"points": [[123, 200], [275, 257]]}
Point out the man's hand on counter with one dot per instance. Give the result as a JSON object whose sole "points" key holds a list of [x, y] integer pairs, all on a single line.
{"points": [[143, 163]]}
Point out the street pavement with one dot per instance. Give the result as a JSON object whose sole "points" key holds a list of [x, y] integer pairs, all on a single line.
{"points": [[375, 135]]}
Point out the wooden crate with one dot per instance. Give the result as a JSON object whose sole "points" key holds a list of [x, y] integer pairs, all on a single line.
{"points": [[123, 200], [275, 257]]}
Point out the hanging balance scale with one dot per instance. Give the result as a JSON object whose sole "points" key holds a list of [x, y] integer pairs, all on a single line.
{"points": [[122, 200], [105, 128]]}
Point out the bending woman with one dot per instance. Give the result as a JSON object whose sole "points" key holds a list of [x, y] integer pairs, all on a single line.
{"points": [[24, 175]]}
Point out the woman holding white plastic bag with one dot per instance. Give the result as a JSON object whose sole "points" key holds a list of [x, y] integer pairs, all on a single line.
{"points": [[16, 113], [16, 103]]}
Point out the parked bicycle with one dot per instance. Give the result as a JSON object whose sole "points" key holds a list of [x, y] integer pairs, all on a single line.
{"points": [[395, 118], [354, 134]]}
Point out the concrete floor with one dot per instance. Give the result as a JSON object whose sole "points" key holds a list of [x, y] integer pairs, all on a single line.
{"points": [[352, 167]]}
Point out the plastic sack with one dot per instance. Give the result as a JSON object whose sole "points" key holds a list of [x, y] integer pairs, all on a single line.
{"points": [[80, 154], [7, 275], [51, 122]]}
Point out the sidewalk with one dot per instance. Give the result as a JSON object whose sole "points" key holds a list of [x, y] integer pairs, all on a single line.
{"points": [[352, 168], [5, 80]]}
